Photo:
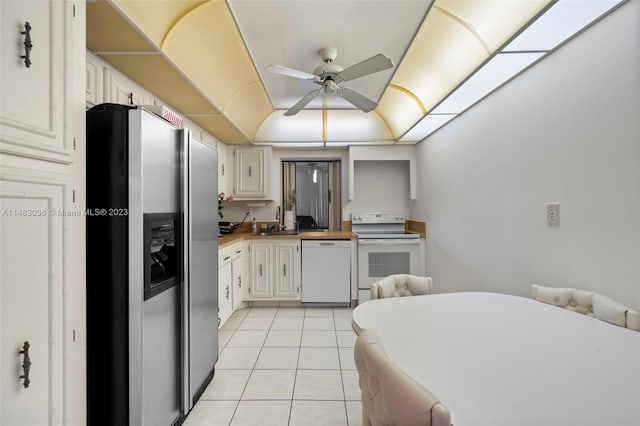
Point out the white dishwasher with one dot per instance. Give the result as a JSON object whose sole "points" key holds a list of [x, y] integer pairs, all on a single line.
{"points": [[326, 271]]}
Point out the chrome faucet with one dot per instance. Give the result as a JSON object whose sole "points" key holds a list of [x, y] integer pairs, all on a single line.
{"points": [[280, 225]]}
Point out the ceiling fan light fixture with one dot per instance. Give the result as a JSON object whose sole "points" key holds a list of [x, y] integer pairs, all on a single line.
{"points": [[331, 76]]}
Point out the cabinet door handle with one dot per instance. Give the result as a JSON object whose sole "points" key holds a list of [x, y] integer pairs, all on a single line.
{"points": [[227, 258], [27, 47], [223, 170], [261, 269], [249, 171], [26, 364], [226, 294], [130, 98], [240, 281], [284, 269]]}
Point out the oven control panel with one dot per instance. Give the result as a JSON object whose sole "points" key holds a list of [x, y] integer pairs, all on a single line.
{"points": [[377, 217]]}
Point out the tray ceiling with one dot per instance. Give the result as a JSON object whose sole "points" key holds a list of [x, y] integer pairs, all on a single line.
{"points": [[214, 53]]}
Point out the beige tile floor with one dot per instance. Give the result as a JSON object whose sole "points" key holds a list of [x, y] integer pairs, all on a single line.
{"points": [[283, 366]]}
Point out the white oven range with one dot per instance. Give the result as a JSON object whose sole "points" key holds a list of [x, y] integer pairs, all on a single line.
{"points": [[384, 248]]}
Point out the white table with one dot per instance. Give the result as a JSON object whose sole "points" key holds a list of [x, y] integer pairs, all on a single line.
{"points": [[500, 360]]}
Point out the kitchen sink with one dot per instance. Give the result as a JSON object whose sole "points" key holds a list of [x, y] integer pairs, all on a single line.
{"points": [[264, 234]]}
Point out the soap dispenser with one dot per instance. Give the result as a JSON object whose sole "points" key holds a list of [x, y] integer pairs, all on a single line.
{"points": [[254, 226]]}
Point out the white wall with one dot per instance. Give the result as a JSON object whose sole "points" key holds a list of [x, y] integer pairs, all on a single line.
{"points": [[379, 185], [567, 131]]}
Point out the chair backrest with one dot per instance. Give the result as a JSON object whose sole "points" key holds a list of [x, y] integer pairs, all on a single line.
{"points": [[390, 397], [580, 301], [588, 303], [400, 285], [609, 310]]}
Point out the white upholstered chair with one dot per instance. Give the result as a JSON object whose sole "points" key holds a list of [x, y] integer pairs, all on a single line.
{"points": [[588, 303], [580, 301], [390, 397], [400, 285]]}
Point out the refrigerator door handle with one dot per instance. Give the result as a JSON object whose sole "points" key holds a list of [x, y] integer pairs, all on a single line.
{"points": [[185, 160]]}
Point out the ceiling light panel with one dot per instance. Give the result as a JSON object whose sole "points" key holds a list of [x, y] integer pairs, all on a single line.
{"points": [[440, 57], [400, 109], [304, 126], [494, 21], [561, 21], [353, 125], [494, 73], [335, 144], [426, 126], [292, 144], [457, 37]]}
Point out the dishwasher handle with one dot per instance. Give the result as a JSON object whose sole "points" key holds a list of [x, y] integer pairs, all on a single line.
{"points": [[326, 244]]}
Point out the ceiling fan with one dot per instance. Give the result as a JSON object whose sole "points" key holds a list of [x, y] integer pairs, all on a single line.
{"points": [[331, 77]]}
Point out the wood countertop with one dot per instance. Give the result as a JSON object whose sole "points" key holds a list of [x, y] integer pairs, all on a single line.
{"points": [[239, 235]]}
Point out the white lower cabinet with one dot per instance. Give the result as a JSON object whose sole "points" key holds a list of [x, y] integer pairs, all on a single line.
{"points": [[230, 280], [261, 285], [275, 270], [225, 283], [237, 269]]}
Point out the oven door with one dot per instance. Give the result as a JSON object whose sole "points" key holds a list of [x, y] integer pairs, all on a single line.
{"points": [[379, 258]]}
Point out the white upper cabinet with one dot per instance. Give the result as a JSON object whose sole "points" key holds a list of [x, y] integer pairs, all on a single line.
{"points": [[120, 90], [35, 91], [94, 85], [252, 170]]}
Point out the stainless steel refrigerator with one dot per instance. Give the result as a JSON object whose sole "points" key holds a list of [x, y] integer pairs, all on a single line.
{"points": [[151, 268]]}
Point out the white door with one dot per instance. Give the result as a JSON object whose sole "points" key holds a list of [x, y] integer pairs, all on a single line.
{"points": [[31, 301]]}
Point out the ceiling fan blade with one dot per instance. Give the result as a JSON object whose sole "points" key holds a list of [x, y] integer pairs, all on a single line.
{"points": [[362, 102], [302, 103], [290, 72], [372, 65]]}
